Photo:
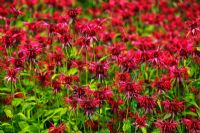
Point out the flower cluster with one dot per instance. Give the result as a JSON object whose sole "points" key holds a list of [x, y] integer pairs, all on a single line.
{"points": [[99, 66]]}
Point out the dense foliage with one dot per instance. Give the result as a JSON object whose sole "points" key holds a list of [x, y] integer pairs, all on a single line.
{"points": [[99, 66]]}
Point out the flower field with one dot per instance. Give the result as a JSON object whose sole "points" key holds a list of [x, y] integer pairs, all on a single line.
{"points": [[99, 66]]}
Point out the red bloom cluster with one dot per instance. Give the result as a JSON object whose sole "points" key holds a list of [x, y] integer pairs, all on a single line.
{"points": [[123, 65]]}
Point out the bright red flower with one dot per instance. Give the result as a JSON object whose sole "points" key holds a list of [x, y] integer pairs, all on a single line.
{"points": [[73, 101], [192, 124], [56, 86], [148, 103], [12, 74], [44, 78], [81, 91], [57, 129], [163, 83], [131, 90], [174, 106], [89, 105], [166, 126], [74, 12], [123, 77], [140, 121], [194, 27], [103, 94], [99, 69]]}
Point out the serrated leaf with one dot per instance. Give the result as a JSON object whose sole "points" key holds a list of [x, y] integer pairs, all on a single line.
{"points": [[8, 113]]}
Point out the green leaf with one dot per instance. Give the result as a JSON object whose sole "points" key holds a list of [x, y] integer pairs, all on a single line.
{"points": [[73, 52], [23, 124], [54, 76], [7, 128], [142, 67], [127, 126], [155, 131], [72, 71], [8, 113], [5, 89], [45, 131], [190, 113], [21, 116], [104, 131], [149, 28], [198, 112], [159, 104], [16, 102], [51, 113], [167, 116], [144, 130], [103, 58]]}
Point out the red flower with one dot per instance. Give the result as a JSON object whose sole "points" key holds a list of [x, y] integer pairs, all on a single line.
{"points": [[8, 99], [115, 104], [192, 125], [18, 62], [12, 74], [73, 101], [179, 74], [65, 39], [58, 129], [93, 124], [56, 86], [174, 106], [140, 121], [81, 91], [123, 77], [73, 12], [44, 78], [116, 49], [99, 69], [89, 30], [68, 80], [132, 90], [103, 95], [166, 126], [83, 42], [18, 95], [148, 103], [194, 27], [78, 64], [15, 11], [163, 83], [57, 57], [31, 50], [89, 105]]}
